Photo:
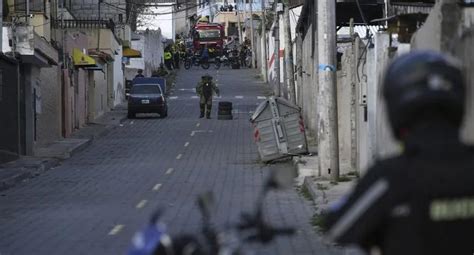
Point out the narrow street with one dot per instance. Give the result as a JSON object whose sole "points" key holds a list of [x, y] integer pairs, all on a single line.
{"points": [[95, 201]]}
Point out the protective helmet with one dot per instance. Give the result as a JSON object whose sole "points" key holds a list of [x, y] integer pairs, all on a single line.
{"points": [[206, 77], [423, 82]]}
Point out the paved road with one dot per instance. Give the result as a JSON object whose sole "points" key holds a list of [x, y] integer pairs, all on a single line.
{"points": [[95, 201]]}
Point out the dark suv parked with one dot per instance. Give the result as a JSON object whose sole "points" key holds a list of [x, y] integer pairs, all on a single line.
{"points": [[147, 98]]}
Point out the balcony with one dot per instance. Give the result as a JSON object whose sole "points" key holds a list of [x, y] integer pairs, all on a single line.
{"points": [[32, 48]]}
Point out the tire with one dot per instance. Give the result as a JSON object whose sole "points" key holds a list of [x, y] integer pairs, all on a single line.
{"points": [[187, 64], [130, 115], [205, 65], [164, 114], [224, 112], [224, 117]]}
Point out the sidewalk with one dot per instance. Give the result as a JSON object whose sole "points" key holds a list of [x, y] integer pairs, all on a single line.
{"points": [[50, 156], [322, 191]]}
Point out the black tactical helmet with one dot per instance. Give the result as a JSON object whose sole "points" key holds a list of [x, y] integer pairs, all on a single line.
{"points": [[206, 77], [423, 82]]}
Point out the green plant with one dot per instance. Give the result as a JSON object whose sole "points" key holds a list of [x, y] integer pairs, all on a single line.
{"points": [[317, 221], [353, 173], [321, 186], [304, 191], [344, 178]]}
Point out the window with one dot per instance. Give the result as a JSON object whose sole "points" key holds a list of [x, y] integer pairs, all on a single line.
{"points": [[35, 5], [209, 34], [145, 89]]}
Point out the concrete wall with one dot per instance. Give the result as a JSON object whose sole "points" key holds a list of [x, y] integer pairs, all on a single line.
{"points": [[309, 88], [151, 46], [137, 63], [75, 86], [118, 95], [98, 93], [380, 143], [346, 98], [48, 106]]}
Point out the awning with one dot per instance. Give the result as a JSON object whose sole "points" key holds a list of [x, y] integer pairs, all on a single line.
{"points": [[131, 53], [82, 60], [98, 67]]}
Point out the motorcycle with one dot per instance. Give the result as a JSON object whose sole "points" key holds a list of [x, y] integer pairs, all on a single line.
{"points": [[196, 61], [251, 228], [248, 58], [222, 61]]}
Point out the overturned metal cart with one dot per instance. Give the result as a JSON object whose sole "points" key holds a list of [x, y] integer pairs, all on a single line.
{"points": [[278, 129]]}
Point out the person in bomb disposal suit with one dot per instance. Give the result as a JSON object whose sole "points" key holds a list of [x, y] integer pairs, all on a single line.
{"points": [[205, 89], [422, 201]]}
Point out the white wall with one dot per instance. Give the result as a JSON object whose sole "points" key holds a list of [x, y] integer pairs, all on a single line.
{"points": [[119, 83]]}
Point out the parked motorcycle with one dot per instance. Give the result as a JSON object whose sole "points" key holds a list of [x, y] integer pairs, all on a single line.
{"points": [[196, 61], [154, 238]]}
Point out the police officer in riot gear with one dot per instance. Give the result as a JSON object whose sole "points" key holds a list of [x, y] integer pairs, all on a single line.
{"points": [[422, 201], [205, 89]]}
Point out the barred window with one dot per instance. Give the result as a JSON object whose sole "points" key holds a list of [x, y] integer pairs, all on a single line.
{"points": [[35, 5]]}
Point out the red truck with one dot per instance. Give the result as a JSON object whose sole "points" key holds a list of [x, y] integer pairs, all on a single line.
{"points": [[210, 34]]}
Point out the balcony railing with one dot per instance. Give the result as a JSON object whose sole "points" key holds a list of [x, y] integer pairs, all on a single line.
{"points": [[109, 24]]}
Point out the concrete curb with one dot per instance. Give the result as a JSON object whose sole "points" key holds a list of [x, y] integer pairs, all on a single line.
{"points": [[13, 176]]}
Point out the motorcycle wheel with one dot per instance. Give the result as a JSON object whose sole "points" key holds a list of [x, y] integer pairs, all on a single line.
{"points": [[205, 65], [187, 64], [248, 62]]}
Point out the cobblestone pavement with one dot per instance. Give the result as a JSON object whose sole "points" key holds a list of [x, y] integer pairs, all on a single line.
{"points": [[95, 201]]}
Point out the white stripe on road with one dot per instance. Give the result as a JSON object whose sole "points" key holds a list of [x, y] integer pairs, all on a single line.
{"points": [[261, 97], [186, 144], [157, 187], [179, 156], [116, 230], [141, 204], [239, 97], [359, 207], [198, 124], [173, 98], [170, 170], [192, 133], [194, 97]]}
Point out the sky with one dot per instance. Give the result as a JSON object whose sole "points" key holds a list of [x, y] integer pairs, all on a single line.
{"points": [[158, 17]]}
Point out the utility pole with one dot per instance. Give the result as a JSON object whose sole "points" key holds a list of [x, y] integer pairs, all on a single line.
{"points": [[276, 53], [239, 24], [289, 67], [251, 35], [264, 36], [328, 144], [186, 21], [245, 16]]}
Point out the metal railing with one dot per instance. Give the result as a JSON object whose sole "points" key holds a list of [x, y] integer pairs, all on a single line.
{"points": [[108, 24]]}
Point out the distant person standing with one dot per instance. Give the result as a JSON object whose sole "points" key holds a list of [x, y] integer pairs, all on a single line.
{"points": [[168, 58], [205, 54], [205, 89], [139, 73], [176, 58]]}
